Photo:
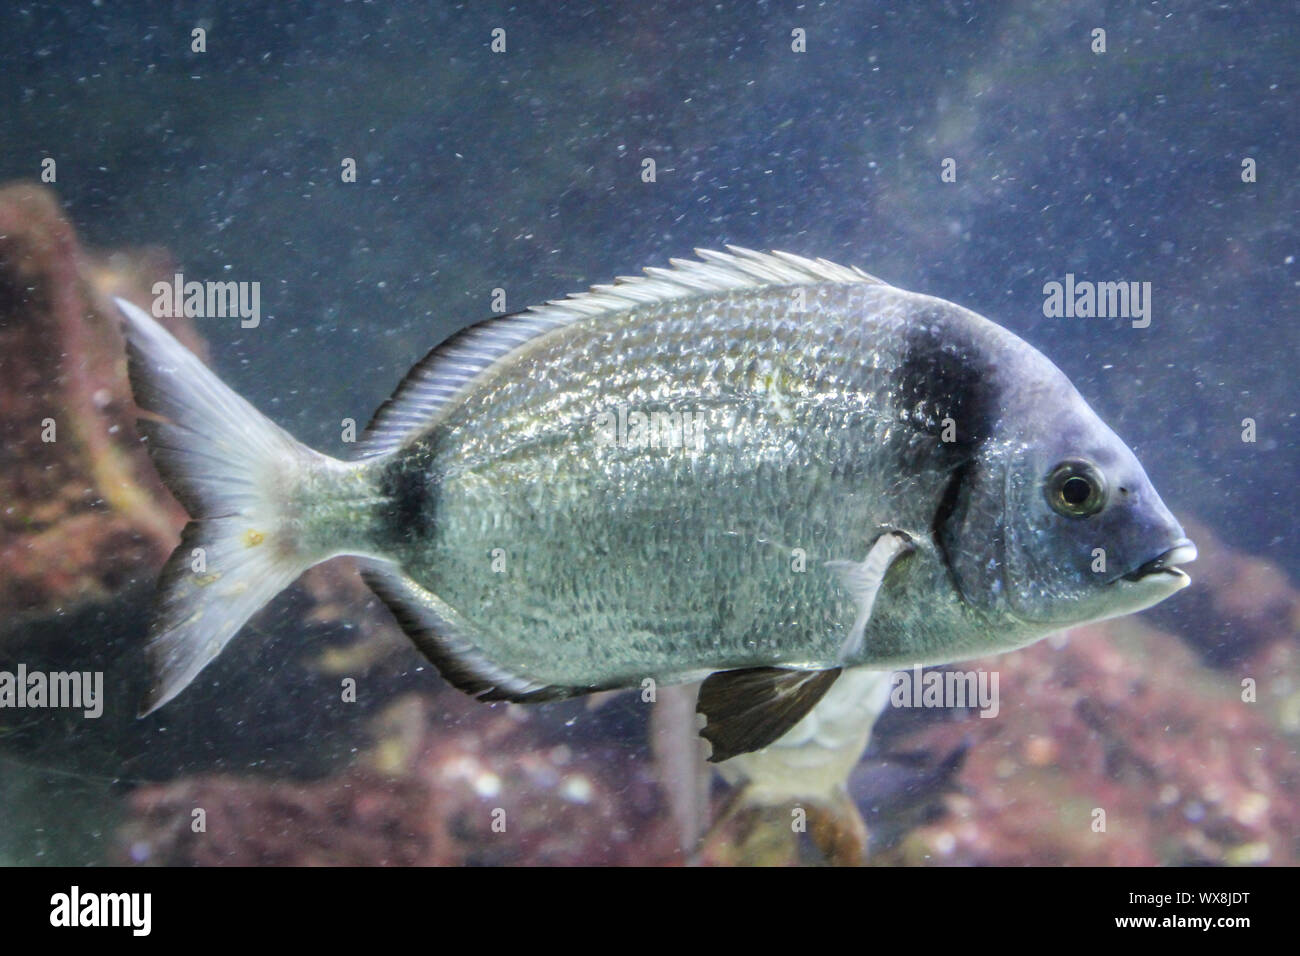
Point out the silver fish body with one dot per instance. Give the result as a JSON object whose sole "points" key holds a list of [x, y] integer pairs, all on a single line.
{"points": [[589, 562]]}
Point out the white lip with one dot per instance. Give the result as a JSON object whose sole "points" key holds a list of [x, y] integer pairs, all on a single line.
{"points": [[1180, 576], [1164, 567]]}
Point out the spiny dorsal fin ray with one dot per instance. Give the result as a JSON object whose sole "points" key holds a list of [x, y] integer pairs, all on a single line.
{"points": [[439, 377]]}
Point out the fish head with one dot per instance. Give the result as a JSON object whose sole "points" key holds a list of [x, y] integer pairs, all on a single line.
{"points": [[1085, 535]]}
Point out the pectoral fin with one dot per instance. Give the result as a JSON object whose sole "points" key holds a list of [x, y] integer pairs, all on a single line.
{"points": [[863, 580], [748, 709]]}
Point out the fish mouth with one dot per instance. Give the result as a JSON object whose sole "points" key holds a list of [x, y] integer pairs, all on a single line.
{"points": [[1166, 563]]}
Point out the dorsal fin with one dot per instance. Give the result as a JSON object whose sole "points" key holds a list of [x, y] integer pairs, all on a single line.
{"points": [[440, 376]]}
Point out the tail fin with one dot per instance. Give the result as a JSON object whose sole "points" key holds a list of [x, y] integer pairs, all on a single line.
{"points": [[233, 470]]}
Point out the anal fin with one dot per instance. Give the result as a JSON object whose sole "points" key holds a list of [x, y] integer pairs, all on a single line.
{"points": [[748, 709], [458, 659]]}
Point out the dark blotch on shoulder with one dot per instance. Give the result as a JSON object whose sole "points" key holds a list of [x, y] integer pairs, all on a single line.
{"points": [[944, 374]]}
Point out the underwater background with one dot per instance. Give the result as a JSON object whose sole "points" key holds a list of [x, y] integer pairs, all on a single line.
{"points": [[523, 171]]}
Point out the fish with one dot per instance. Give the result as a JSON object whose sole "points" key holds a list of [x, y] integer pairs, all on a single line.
{"points": [[749, 469], [813, 759], [810, 764]]}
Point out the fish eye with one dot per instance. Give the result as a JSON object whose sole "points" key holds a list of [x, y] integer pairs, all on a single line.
{"points": [[1076, 488]]}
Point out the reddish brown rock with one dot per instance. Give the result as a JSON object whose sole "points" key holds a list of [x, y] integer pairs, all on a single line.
{"points": [[449, 782], [1123, 719], [1242, 603], [84, 511], [355, 820]]}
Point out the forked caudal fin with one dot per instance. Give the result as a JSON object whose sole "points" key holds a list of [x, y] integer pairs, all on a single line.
{"points": [[235, 471]]}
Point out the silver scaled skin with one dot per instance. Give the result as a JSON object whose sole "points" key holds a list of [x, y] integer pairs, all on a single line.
{"points": [[578, 561]]}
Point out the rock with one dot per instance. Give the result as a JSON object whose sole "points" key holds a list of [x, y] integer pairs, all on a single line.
{"points": [[83, 509]]}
